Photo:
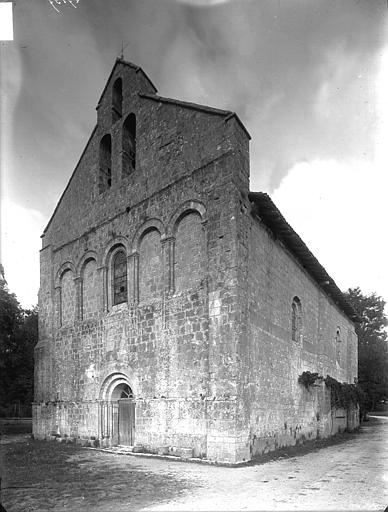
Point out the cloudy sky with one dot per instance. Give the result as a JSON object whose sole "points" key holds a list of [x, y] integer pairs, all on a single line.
{"points": [[309, 79]]}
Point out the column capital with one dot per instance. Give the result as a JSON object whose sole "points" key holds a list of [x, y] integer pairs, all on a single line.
{"points": [[168, 239]]}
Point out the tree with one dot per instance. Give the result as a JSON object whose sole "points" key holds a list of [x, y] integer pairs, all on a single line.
{"points": [[18, 336], [372, 346]]}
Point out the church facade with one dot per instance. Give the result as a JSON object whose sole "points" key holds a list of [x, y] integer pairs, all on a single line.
{"points": [[177, 308]]}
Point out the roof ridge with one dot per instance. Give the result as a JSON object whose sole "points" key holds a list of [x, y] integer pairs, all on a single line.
{"points": [[189, 104], [274, 219], [228, 114]]}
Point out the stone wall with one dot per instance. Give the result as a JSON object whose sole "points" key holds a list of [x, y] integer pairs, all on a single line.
{"points": [[196, 320], [174, 338], [278, 411]]}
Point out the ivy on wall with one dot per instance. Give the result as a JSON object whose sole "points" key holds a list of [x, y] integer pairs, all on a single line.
{"points": [[342, 394]]}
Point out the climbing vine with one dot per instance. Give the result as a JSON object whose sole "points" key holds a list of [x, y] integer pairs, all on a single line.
{"points": [[342, 394], [308, 379]]}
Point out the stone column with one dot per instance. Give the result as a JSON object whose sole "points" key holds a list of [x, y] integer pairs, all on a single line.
{"points": [[135, 276], [78, 282], [169, 260], [58, 306], [130, 285], [102, 273]]}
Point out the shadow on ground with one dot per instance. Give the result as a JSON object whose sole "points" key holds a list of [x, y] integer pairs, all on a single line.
{"points": [[39, 475], [312, 445]]}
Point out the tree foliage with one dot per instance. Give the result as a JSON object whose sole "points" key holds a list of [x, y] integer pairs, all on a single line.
{"points": [[372, 346], [18, 336]]}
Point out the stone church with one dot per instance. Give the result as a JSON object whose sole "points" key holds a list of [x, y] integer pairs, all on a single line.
{"points": [[177, 308]]}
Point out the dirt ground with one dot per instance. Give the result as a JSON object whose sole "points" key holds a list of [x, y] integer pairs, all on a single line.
{"points": [[350, 473]]}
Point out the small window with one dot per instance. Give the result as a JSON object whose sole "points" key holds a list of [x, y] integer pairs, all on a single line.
{"points": [[296, 319], [105, 176], [338, 335], [117, 100], [129, 145], [120, 278]]}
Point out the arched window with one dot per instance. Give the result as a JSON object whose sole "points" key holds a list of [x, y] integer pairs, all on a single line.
{"points": [[105, 178], [117, 100], [296, 319], [120, 288], [338, 345], [129, 145]]}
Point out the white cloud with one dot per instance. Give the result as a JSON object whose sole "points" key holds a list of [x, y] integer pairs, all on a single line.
{"points": [[340, 210], [381, 150], [6, 21], [20, 235]]}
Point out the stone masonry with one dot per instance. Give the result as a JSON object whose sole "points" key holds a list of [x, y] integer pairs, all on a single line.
{"points": [[177, 309]]}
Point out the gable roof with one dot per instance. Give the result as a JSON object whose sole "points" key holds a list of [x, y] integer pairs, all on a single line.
{"points": [[196, 106], [266, 210]]}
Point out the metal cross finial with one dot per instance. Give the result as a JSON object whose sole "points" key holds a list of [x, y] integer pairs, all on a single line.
{"points": [[122, 49]]}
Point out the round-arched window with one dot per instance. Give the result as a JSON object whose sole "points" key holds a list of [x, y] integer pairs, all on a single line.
{"points": [[120, 287]]}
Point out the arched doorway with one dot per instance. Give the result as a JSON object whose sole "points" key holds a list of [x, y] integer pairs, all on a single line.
{"points": [[118, 410]]}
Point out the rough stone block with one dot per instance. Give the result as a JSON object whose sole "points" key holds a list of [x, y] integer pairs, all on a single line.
{"points": [[185, 453], [164, 450]]}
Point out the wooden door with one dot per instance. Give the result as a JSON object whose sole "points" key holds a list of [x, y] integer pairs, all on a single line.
{"points": [[126, 422]]}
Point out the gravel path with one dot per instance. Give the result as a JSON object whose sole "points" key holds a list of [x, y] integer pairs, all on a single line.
{"points": [[43, 476]]}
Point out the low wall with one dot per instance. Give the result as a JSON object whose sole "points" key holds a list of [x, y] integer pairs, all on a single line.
{"points": [[15, 425]]}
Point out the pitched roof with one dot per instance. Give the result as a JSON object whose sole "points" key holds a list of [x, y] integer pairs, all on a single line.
{"points": [[196, 106], [266, 210]]}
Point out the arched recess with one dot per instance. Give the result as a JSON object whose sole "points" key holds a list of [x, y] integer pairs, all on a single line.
{"points": [[190, 262], [86, 256], [151, 277], [67, 297], [129, 145], [117, 410], [105, 164], [187, 229], [67, 265], [90, 289], [183, 209], [117, 100], [147, 226]]}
